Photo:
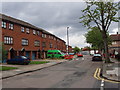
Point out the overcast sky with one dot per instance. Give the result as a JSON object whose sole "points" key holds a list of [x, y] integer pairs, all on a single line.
{"points": [[53, 17]]}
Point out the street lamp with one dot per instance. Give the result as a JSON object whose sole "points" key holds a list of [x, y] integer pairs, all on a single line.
{"points": [[67, 41]]}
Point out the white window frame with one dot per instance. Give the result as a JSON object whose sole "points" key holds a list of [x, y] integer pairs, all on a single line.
{"points": [[4, 24], [37, 43], [27, 30], [38, 33], [8, 40], [11, 26], [34, 32], [25, 42], [22, 29]]}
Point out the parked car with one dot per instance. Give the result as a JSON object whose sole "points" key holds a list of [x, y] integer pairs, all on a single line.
{"points": [[55, 54], [19, 60], [79, 55], [69, 56], [97, 57]]}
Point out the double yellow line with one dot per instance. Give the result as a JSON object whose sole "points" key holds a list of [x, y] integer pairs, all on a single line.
{"points": [[97, 76]]}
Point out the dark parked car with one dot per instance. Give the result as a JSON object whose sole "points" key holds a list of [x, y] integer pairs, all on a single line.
{"points": [[19, 60], [97, 57]]}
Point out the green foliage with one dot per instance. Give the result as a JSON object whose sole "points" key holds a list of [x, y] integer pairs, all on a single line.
{"points": [[101, 13], [76, 49], [94, 37]]}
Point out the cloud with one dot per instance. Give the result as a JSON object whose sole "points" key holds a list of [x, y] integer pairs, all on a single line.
{"points": [[53, 17]]}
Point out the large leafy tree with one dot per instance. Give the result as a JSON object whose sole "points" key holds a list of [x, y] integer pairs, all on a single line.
{"points": [[101, 14], [94, 37]]}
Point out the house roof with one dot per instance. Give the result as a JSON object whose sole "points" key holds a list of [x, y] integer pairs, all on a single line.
{"points": [[14, 20], [115, 37]]}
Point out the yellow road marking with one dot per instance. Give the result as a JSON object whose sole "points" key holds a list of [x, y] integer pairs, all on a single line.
{"points": [[97, 76]]}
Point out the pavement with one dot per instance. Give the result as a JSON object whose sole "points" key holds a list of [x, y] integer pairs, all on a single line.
{"points": [[27, 68], [111, 71]]}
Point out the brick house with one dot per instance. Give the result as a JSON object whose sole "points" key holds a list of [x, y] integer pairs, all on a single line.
{"points": [[115, 47], [22, 38]]}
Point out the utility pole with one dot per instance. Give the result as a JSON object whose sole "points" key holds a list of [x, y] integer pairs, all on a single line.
{"points": [[67, 41]]}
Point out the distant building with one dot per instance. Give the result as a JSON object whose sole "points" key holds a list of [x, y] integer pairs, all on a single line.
{"points": [[115, 47], [22, 38]]}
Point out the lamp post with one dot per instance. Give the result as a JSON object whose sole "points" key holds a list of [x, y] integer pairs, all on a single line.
{"points": [[67, 41]]}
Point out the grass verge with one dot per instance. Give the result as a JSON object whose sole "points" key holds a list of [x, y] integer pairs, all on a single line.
{"points": [[38, 62], [5, 68]]}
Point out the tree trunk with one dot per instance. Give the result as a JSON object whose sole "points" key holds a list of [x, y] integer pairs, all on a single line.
{"points": [[107, 59]]}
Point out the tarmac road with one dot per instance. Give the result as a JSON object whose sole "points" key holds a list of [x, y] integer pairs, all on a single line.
{"points": [[77, 73]]}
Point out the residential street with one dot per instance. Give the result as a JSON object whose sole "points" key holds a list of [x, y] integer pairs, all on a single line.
{"points": [[77, 73]]}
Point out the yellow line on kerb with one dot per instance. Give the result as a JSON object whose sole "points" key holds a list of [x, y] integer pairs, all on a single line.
{"points": [[97, 76]]}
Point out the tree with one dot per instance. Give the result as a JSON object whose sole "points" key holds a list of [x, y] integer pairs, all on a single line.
{"points": [[101, 14], [76, 49], [94, 37]]}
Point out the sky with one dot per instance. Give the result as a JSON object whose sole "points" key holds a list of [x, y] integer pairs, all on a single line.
{"points": [[53, 17]]}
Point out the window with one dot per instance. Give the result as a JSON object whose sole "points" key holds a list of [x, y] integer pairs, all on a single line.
{"points": [[34, 32], [51, 45], [44, 35], [54, 38], [114, 42], [38, 33], [22, 29], [43, 44], [27, 30], [8, 40], [3, 24], [24, 41], [37, 43], [11, 26]]}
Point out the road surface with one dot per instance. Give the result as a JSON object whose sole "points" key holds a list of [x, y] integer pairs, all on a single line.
{"points": [[77, 73]]}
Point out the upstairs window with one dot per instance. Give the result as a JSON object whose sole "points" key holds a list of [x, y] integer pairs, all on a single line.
{"points": [[34, 32], [44, 35], [11, 26], [8, 40], [4, 24], [27, 30], [43, 44], [25, 42], [22, 29], [114, 42], [37, 43], [51, 45], [38, 33], [54, 38]]}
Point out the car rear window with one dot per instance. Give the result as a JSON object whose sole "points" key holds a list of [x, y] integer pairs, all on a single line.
{"points": [[96, 55]]}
